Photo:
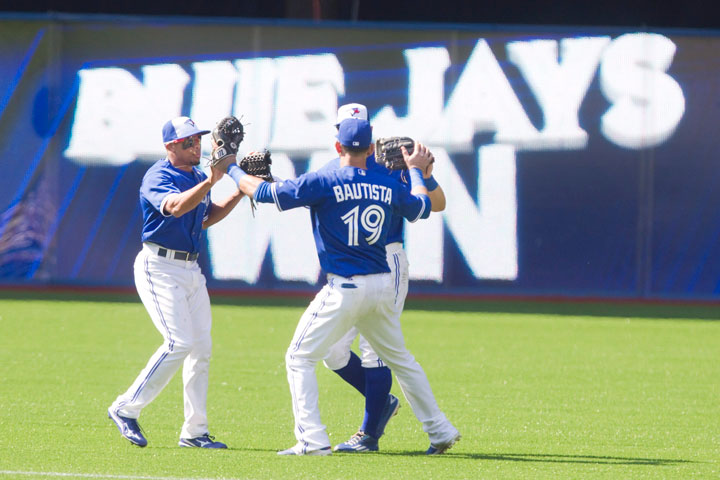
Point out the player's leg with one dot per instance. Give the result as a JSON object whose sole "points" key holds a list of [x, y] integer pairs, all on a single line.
{"points": [[384, 333], [195, 430], [346, 363], [159, 289], [380, 405], [328, 317], [366, 375]]}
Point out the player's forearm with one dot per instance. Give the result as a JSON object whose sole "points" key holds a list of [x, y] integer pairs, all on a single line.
{"points": [[417, 183], [221, 210], [181, 203], [418, 189], [248, 184], [437, 197]]}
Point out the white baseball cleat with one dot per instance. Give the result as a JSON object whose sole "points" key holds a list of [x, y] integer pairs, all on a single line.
{"points": [[442, 447], [301, 449]]}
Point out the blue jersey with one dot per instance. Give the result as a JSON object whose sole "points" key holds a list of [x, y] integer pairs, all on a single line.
{"points": [[351, 210], [396, 230], [182, 233]]}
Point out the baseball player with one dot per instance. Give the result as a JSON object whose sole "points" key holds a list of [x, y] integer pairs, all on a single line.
{"points": [[351, 209], [370, 376], [176, 206]]}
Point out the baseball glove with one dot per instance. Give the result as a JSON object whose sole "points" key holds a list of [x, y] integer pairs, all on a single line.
{"points": [[389, 153], [228, 133], [257, 164]]}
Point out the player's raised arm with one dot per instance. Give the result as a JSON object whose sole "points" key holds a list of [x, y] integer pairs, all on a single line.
{"points": [[248, 184], [435, 191], [417, 163], [251, 172]]}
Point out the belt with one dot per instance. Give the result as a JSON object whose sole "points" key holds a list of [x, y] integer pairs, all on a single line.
{"points": [[177, 254]]}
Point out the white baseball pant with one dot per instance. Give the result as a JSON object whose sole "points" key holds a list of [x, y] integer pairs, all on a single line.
{"points": [[339, 355], [367, 302], [175, 296]]}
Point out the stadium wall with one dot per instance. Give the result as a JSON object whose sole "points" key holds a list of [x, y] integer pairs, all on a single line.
{"points": [[576, 162]]}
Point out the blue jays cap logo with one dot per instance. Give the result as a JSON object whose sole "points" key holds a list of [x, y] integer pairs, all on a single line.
{"points": [[351, 110]]}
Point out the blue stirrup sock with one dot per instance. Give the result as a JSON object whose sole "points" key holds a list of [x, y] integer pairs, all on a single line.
{"points": [[353, 373], [378, 382]]}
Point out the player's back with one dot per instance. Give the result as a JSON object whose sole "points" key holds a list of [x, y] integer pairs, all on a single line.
{"points": [[397, 223], [351, 222]]}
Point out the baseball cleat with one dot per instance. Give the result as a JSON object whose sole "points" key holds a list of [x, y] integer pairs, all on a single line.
{"points": [[442, 447], [300, 449], [360, 442], [129, 428], [203, 441], [391, 408]]}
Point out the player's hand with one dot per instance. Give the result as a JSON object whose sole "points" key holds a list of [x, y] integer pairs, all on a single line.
{"points": [[420, 158], [217, 171], [223, 163]]}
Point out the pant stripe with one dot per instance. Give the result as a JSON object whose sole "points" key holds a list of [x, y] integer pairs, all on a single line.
{"points": [[305, 443], [147, 377], [171, 342], [396, 261], [301, 430], [312, 318]]}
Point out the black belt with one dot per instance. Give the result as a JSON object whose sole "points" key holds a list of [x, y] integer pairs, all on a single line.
{"points": [[177, 254]]}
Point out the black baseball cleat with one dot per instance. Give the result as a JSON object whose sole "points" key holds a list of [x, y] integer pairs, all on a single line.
{"points": [[129, 428]]}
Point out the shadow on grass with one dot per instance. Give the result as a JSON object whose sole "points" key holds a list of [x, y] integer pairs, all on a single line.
{"points": [[516, 457], [550, 458]]}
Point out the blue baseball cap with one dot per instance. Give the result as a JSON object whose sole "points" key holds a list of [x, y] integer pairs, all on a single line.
{"points": [[179, 128], [354, 133]]}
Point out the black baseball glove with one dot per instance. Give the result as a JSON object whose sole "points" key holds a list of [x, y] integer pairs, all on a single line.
{"points": [[389, 153], [228, 133], [257, 164]]}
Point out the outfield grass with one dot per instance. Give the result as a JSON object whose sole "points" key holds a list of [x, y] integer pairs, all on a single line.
{"points": [[575, 391]]}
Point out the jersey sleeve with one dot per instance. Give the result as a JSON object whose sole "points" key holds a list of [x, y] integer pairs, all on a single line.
{"points": [[303, 191], [412, 207], [156, 188], [333, 164]]}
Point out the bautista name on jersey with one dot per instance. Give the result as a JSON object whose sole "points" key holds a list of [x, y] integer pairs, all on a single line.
{"points": [[360, 191], [351, 211]]}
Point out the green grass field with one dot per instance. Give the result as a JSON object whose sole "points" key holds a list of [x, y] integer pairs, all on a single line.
{"points": [[540, 390]]}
